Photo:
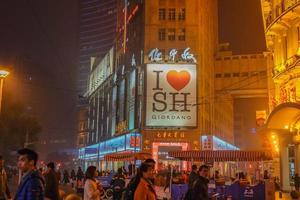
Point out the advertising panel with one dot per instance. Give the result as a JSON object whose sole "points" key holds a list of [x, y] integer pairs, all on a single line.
{"points": [[171, 99], [131, 100], [113, 111], [121, 100]]}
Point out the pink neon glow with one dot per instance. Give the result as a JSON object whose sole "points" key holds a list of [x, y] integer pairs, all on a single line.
{"points": [[155, 146]]}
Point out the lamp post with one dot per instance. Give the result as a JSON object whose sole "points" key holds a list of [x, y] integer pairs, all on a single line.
{"points": [[3, 74]]}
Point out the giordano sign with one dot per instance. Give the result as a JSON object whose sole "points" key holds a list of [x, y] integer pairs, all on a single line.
{"points": [[171, 99]]}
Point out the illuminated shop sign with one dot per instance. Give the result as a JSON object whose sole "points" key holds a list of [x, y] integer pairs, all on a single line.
{"points": [[156, 55], [166, 134], [171, 95], [214, 143], [128, 142]]}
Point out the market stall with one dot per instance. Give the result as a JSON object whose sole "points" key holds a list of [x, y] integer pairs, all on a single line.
{"points": [[236, 190]]}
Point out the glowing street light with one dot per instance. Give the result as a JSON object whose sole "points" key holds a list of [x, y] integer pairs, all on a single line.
{"points": [[3, 74]]}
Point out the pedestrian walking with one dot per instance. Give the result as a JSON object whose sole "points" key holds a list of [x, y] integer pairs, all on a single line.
{"points": [[145, 189], [194, 175], [4, 190], [200, 187], [92, 189], [66, 177], [80, 174], [32, 184], [297, 181], [118, 184], [51, 186]]}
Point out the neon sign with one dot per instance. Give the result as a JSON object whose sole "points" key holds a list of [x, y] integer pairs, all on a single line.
{"points": [[155, 55]]}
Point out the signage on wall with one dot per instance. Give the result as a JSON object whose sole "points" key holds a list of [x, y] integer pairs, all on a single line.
{"points": [[121, 127], [165, 134], [156, 55], [171, 95]]}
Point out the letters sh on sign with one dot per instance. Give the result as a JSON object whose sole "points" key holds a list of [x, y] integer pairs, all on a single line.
{"points": [[171, 95]]}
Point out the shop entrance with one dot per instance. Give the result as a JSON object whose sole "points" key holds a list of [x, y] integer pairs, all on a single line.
{"points": [[160, 154]]}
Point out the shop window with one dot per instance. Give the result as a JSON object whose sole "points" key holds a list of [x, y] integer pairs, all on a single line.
{"points": [[162, 14], [171, 34], [181, 34], [172, 14], [162, 34], [181, 14]]}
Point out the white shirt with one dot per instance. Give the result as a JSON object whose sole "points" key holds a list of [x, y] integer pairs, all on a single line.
{"points": [[90, 190]]}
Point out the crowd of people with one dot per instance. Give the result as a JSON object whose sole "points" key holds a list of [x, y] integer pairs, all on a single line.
{"points": [[36, 184]]}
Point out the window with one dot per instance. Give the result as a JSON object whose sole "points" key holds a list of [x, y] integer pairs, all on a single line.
{"points": [[172, 14], [181, 34], [227, 75], [171, 34], [181, 14], [236, 74], [162, 34], [162, 14], [244, 74], [218, 75]]}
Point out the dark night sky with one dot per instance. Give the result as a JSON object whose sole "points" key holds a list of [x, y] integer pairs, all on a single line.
{"points": [[42, 35], [38, 38]]}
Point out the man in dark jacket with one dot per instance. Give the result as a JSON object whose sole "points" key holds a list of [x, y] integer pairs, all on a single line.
{"points": [[32, 184], [194, 175], [51, 188], [200, 187]]}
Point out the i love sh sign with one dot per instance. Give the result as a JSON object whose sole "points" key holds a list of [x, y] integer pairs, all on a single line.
{"points": [[171, 99]]}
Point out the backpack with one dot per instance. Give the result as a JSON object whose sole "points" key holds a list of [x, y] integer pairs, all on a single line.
{"points": [[131, 187], [118, 183]]}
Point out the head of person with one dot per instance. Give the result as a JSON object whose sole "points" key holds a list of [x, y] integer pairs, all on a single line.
{"points": [[150, 162], [27, 159], [91, 172], [120, 171], [146, 171], [194, 167], [51, 166], [1, 162], [204, 171]]}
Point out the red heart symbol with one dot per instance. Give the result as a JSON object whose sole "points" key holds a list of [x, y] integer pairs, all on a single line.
{"points": [[178, 80]]}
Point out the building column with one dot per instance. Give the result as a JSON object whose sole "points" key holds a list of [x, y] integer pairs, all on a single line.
{"points": [[284, 165], [297, 160]]}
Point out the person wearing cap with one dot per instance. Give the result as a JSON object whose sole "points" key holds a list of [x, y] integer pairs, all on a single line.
{"points": [[32, 184]]}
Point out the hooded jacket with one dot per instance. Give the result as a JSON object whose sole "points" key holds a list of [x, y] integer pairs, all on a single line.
{"points": [[31, 187]]}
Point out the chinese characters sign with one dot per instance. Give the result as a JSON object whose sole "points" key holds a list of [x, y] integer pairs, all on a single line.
{"points": [[171, 95]]}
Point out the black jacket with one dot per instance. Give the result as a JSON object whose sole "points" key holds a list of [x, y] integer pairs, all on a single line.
{"points": [[51, 188], [200, 189], [193, 177]]}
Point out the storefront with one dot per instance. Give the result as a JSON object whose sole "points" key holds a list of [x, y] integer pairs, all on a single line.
{"points": [[94, 154]]}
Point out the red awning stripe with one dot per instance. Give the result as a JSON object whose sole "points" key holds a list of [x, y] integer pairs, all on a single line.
{"points": [[226, 155]]}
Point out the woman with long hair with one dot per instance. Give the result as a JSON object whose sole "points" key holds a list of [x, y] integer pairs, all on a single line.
{"points": [[92, 189]]}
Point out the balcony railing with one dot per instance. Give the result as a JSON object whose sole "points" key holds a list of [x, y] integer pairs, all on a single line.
{"points": [[290, 64], [279, 9]]}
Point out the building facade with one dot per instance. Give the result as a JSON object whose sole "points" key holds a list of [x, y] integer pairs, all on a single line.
{"points": [[158, 96], [240, 80], [96, 35], [281, 19]]}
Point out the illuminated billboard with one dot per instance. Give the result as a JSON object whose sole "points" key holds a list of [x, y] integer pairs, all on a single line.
{"points": [[171, 99]]}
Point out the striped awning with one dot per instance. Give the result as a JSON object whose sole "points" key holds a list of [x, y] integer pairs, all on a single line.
{"points": [[221, 156], [127, 156]]}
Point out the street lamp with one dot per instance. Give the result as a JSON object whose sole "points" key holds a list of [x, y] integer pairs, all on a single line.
{"points": [[3, 74]]}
